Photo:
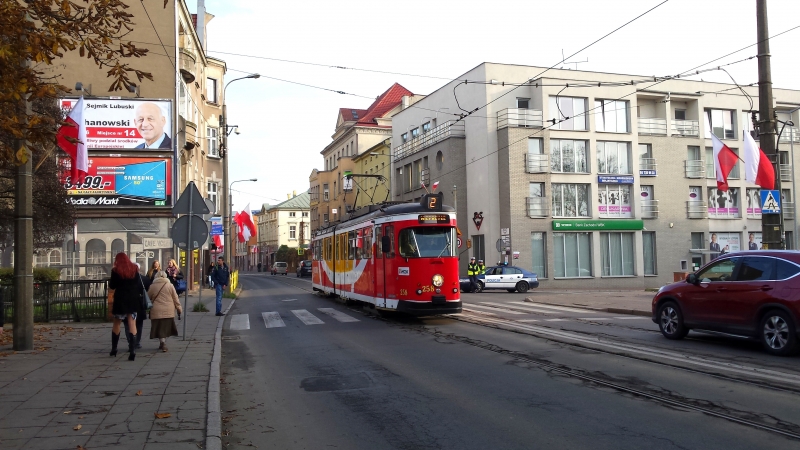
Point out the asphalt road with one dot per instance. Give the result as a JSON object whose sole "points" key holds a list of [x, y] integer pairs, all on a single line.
{"points": [[303, 371]]}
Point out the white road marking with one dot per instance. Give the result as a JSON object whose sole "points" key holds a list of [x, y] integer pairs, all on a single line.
{"points": [[527, 320], [475, 311], [240, 322], [306, 317], [595, 318], [272, 319], [289, 300], [526, 308], [632, 318], [556, 320], [558, 308], [494, 308], [340, 316]]}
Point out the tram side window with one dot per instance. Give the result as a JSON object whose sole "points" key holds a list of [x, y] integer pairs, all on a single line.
{"points": [[389, 231], [352, 247], [366, 243], [378, 235], [329, 248]]}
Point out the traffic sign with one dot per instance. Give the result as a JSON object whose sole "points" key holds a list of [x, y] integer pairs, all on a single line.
{"points": [[198, 203], [180, 231], [458, 240], [770, 202], [499, 245]]}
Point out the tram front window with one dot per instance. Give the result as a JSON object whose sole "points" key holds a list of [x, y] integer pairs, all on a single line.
{"points": [[427, 242]]}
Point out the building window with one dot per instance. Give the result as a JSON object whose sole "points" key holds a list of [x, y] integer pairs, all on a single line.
{"points": [[720, 122], [753, 203], [570, 200], [616, 251], [407, 178], [211, 135], [613, 157], [41, 259], [723, 204], [292, 231], [567, 156], [414, 133], [325, 218], [211, 90], [439, 160], [211, 192], [305, 214], [404, 137], [417, 175], [539, 252], [478, 247], [611, 116], [572, 255], [292, 214], [614, 200], [537, 203], [646, 161], [649, 252], [55, 257], [711, 170], [568, 113], [680, 114], [426, 127], [523, 103], [325, 193]]}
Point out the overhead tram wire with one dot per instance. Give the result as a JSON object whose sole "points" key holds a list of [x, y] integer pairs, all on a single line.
{"points": [[158, 35]]}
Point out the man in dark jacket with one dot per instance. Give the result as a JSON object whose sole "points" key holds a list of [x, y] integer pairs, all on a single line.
{"points": [[221, 277]]}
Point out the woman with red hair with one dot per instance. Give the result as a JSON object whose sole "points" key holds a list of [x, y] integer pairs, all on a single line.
{"points": [[128, 297]]}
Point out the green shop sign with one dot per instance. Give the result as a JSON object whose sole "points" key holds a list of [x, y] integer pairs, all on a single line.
{"points": [[603, 224]]}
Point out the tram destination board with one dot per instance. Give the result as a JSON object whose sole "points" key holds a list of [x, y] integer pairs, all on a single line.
{"points": [[434, 218], [432, 202]]}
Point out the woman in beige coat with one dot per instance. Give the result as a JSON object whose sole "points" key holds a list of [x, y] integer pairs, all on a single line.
{"points": [[162, 314]]}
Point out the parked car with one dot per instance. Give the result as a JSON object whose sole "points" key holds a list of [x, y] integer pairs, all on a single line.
{"points": [[512, 279], [754, 294], [304, 269], [280, 268]]}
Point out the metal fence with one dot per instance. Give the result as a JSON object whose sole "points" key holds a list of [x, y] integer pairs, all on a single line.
{"points": [[73, 301]]}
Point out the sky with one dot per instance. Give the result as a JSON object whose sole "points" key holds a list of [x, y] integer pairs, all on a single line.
{"points": [[285, 126]]}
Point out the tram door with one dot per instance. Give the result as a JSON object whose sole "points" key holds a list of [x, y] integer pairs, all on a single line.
{"points": [[379, 273]]}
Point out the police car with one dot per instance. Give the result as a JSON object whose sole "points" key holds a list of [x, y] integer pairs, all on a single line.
{"points": [[512, 279]]}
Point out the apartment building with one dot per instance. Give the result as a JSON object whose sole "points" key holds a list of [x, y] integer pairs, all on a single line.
{"points": [[357, 130], [372, 170], [593, 180], [287, 223]]}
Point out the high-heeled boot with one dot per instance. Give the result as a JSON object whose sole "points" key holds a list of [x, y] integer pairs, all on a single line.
{"points": [[131, 347], [114, 342]]}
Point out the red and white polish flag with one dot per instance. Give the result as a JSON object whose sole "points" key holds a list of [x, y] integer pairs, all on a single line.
{"points": [[724, 162], [757, 167], [246, 225], [75, 129]]}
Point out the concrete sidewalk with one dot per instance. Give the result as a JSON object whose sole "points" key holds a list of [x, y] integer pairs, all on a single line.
{"points": [[68, 393], [635, 302]]}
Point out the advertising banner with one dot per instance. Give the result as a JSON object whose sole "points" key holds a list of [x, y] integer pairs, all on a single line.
{"points": [[216, 226], [122, 181], [125, 124], [614, 201], [724, 242], [723, 203], [753, 202]]}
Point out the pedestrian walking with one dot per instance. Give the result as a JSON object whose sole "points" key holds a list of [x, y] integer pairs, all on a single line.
{"points": [[129, 292], [141, 314], [259, 266], [175, 275], [154, 269], [221, 276], [162, 315], [210, 269]]}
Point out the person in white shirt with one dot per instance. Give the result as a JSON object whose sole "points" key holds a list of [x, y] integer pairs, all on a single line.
{"points": [[150, 122]]}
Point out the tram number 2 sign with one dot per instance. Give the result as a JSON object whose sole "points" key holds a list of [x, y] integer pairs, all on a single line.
{"points": [[432, 202]]}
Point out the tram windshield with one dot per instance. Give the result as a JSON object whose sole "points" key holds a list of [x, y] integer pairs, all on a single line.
{"points": [[427, 242]]}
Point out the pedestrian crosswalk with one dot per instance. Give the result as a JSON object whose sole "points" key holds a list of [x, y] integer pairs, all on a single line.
{"points": [[273, 319], [542, 312]]}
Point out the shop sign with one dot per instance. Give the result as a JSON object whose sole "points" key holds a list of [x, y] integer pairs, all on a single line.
{"points": [[121, 181], [615, 179], [601, 225], [647, 173], [157, 243]]}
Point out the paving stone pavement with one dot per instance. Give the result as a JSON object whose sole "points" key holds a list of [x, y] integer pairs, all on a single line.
{"points": [[69, 393]]}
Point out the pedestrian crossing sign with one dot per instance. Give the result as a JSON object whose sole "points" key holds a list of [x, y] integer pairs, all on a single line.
{"points": [[770, 202]]}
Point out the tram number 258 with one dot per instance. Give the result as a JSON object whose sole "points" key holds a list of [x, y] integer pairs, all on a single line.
{"points": [[403, 291]]}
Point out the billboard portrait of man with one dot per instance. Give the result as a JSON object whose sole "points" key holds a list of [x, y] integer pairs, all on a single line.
{"points": [[751, 245], [150, 121]]}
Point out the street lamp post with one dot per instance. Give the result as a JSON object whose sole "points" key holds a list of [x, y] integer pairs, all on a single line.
{"points": [[230, 217], [224, 147]]}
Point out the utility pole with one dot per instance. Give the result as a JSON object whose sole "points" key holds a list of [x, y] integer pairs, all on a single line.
{"points": [[771, 224], [226, 230]]}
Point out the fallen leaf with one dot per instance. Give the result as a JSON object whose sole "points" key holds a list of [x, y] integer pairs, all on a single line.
{"points": [[139, 392], [67, 412], [162, 415], [80, 417], [77, 427]]}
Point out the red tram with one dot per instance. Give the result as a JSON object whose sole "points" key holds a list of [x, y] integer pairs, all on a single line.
{"points": [[401, 257]]}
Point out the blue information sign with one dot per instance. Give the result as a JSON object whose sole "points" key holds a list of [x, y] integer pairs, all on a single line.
{"points": [[770, 202], [615, 179]]}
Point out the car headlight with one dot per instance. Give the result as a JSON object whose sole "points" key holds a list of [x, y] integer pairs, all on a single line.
{"points": [[437, 280]]}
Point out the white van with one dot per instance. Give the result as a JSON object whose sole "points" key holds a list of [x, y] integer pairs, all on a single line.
{"points": [[280, 268]]}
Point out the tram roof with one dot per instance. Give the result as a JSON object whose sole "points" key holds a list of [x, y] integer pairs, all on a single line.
{"points": [[382, 210]]}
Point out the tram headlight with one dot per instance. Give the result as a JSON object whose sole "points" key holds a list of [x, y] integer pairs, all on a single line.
{"points": [[437, 280]]}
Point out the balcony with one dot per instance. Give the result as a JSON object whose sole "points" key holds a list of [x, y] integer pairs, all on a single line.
{"points": [[518, 117], [790, 134], [647, 167], [650, 209], [696, 209], [444, 131], [537, 207], [187, 65], [653, 126], [788, 210], [694, 168], [686, 128], [537, 163], [786, 172]]}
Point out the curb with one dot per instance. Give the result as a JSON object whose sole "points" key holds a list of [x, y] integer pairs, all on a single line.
{"points": [[630, 312], [214, 418]]}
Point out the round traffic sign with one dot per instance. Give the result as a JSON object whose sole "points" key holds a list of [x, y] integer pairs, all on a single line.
{"points": [[458, 240], [180, 231]]}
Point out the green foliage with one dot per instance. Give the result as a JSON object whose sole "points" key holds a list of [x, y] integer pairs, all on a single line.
{"points": [[199, 307], [283, 254], [40, 274], [227, 294]]}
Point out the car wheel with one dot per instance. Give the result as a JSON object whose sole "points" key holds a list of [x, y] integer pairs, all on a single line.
{"points": [[778, 333], [480, 287], [522, 287], [670, 321]]}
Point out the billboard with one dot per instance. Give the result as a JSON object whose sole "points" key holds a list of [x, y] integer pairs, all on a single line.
{"points": [[122, 181], [125, 124]]}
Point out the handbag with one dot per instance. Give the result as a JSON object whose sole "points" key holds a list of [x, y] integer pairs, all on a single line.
{"points": [[180, 286], [146, 303]]}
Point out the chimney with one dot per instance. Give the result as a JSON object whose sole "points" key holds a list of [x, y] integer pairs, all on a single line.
{"points": [[201, 22], [405, 101], [294, 194]]}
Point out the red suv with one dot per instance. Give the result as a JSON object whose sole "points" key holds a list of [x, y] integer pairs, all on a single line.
{"points": [[754, 294]]}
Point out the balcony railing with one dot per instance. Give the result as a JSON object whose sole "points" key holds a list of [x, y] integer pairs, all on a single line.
{"points": [[788, 210], [688, 128], [696, 209], [694, 168], [537, 163], [786, 172], [647, 164], [650, 209], [518, 117], [537, 206], [444, 131], [653, 126], [790, 134]]}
